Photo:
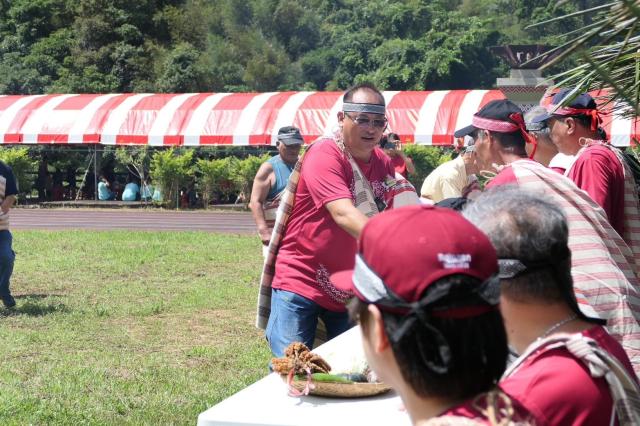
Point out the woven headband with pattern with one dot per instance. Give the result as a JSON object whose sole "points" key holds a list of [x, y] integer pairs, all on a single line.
{"points": [[596, 120], [506, 127], [365, 108], [493, 125]]}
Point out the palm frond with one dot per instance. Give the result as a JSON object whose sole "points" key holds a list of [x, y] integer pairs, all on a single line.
{"points": [[608, 53]]}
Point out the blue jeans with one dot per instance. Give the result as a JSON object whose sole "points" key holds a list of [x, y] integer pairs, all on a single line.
{"points": [[294, 319], [7, 257]]}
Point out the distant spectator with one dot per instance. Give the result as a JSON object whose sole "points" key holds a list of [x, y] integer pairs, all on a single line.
{"points": [[192, 195], [117, 187], [41, 180], [104, 190], [393, 148], [71, 183], [131, 190], [48, 186], [57, 189]]}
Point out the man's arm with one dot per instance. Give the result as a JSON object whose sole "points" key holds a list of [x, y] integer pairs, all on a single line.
{"points": [[411, 169], [347, 216], [259, 192], [7, 203]]}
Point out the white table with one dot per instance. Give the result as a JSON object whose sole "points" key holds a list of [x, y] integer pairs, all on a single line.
{"points": [[265, 403]]}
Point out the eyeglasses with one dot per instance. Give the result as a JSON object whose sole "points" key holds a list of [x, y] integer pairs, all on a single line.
{"points": [[544, 131], [364, 121]]}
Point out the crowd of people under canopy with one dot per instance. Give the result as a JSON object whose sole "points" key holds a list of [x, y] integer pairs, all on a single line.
{"points": [[523, 308]]}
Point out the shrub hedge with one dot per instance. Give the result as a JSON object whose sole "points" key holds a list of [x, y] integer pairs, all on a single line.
{"points": [[218, 175]]}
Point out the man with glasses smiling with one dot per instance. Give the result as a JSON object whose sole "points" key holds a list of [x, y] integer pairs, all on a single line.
{"points": [[338, 184]]}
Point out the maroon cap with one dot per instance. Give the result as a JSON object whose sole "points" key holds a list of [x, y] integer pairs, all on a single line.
{"points": [[402, 252]]}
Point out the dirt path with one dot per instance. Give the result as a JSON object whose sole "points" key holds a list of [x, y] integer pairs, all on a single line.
{"points": [[137, 219]]}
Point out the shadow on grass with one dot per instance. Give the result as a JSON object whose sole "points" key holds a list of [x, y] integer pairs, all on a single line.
{"points": [[33, 309], [36, 296]]}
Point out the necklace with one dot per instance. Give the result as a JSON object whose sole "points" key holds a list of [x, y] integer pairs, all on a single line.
{"points": [[557, 325]]}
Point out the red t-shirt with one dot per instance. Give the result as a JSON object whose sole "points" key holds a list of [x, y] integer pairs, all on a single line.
{"points": [[314, 246], [599, 172], [557, 389], [399, 165], [477, 407]]}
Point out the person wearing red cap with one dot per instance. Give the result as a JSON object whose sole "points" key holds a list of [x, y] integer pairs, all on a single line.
{"points": [[598, 168], [604, 268], [427, 303], [571, 371], [340, 183]]}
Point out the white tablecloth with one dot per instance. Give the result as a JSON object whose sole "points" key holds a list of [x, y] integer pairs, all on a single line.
{"points": [[265, 403]]}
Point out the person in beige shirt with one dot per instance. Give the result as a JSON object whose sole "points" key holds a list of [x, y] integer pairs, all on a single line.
{"points": [[450, 178]]}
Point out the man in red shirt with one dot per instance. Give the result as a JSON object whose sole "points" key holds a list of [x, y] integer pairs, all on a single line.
{"points": [[604, 268], [320, 235], [559, 377], [598, 169]]}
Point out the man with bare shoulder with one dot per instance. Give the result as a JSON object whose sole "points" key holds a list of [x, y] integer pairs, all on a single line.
{"points": [[271, 180]]}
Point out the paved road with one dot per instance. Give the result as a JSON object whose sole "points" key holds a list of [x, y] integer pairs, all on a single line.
{"points": [[137, 219]]}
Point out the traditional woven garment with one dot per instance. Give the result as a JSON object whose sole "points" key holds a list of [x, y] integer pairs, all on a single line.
{"points": [[403, 194], [603, 267], [631, 234], [624, 389]]}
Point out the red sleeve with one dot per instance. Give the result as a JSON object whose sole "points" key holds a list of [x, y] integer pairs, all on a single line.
{"points": [[325, 175], [592, 172], [505, 177]]}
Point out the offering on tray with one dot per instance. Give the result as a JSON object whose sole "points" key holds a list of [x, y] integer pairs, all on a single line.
{"points": [[307, 373]]}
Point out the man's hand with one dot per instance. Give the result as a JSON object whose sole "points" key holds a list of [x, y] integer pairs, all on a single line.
{"points": [[347, 216], [265, 236], [7, 204], [261, 187]]}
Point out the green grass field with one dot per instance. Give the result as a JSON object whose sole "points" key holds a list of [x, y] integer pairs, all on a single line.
{"points": [[128, 327]]}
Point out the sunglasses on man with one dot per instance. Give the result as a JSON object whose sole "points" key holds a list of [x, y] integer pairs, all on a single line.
{"points": [[364, 122]]}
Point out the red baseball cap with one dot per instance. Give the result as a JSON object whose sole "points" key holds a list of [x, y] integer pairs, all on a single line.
{"points": [[402, 252]]}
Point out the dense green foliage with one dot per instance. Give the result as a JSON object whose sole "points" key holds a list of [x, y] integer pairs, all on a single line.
{"points": [[425, 159], [22, 165], [97, 46], [218, 176]]}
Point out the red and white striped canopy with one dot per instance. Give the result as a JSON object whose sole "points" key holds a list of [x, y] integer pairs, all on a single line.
{"points": [[200, 119]]}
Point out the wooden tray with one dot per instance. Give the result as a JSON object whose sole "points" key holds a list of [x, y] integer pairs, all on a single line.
{"points": [[341, 390]]}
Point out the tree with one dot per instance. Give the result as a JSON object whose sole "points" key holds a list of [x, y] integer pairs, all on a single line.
{"points": [[22, 165], [170, 171]]}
